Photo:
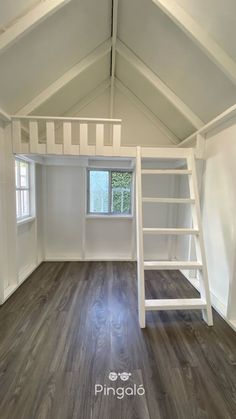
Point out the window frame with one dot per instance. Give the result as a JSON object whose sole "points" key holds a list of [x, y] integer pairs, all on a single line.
{"points": [[28, 188], [109, 214]]}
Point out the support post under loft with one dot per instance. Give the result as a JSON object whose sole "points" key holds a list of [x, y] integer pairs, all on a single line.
{"points": [[202, 303]]}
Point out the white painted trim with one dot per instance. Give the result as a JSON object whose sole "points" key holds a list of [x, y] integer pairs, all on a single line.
{"points": [[113, 53], [26, 220], [210, 126], [126, 53], [142, 108], [27, 22], [108, 217], [22, 277], [70, 75], [26, 272], [4, 116], [9, 291], [199, 36], [66, 119], [139, 239], [175, 304], [102, 258], [165, 152]]}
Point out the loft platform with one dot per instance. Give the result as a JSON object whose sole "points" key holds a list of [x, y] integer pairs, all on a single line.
{"points": [[39, 135]]}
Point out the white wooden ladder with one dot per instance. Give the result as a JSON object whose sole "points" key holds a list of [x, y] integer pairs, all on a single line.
{"points": [[203, 303]]}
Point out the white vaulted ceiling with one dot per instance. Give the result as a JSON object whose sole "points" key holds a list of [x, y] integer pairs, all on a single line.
{"points": [[177, 57], [50, 49]]}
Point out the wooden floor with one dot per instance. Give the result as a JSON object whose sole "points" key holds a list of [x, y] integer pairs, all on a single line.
{"points": [[70, 324]]}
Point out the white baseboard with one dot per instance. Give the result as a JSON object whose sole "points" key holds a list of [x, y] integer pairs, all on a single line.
{"points": [[9, 291], [102, 258], [216, 303], [24, 274]]}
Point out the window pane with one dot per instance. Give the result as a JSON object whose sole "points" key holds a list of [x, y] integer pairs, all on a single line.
{"points": [[24, 174], [18, 209], [25, 211], [121, 185], [99, 191], [17, 173]]}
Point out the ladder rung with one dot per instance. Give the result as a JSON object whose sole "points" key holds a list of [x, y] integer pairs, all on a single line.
{"points": [[170, 231], [171, 265], [166, 172], [175, 304], [169, 200]]}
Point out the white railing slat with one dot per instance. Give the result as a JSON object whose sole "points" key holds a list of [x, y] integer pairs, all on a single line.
{"points": [[34, 146], [50, 137], [116, 139], [52, 147], [33, 137], [68, 147], [16, 133], [99, 139], [67, 137], [83, 138]]}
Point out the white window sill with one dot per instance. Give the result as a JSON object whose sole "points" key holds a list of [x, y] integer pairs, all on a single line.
{"points": [[26, 220], [109, 217]]}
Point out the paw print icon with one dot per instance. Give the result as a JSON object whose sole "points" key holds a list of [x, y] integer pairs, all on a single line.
{"points": [[124, 376], [113, 376]]}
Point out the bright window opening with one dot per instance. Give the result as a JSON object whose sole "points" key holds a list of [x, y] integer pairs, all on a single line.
{"points": [[110, 192], [22, 175]]}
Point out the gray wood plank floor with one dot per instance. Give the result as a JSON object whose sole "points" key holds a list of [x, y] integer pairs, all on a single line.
{"points": [[70, 324]]}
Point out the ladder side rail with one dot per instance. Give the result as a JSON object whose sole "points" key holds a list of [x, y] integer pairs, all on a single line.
{"points": [[139, 238], [199, 243]]}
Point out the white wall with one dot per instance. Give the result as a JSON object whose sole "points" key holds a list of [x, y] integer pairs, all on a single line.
{"points": [[137, 128], [71, 235], [218, 205], [66, 225], [29, 243], [8, 269], [157, 215], [219, 221], [20, 245], [63, 206], [3, 250], [26, 249]]}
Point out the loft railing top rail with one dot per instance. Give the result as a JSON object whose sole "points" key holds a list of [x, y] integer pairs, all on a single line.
{"points": [[67, 119]]}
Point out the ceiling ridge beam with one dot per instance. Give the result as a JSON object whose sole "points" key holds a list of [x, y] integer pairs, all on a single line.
{"points": [[28, 21], [100, 52], [143, 69], [147, 112], [115, 4], [199, 36]]}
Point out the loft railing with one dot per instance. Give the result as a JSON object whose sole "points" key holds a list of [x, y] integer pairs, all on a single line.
{"points": [[68, 136]]}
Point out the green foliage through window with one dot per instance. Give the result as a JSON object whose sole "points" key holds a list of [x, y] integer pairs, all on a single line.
{"points": [[110, 192]]}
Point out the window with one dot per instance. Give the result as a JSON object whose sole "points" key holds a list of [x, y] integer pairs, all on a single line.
{"points": [[110, 192], [22, 174]]}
